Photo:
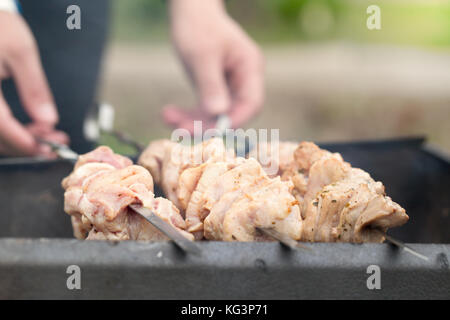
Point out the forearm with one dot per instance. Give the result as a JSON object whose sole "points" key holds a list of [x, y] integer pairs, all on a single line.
{"points": [[179, 8]]}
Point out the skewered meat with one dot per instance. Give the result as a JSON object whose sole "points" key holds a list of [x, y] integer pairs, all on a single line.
{"points": [[207, 174], [274, 157], [103, 155], [197, 179], [153, 156], [177, 158], [232, 198], [267, 204], [338, 202], [312, 169], [226, 199], [319, 196], [205, 180], [350, 209], [98, 195]]}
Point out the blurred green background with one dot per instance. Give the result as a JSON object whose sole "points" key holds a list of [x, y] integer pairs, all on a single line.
{"points": [[328, 77], [422, 23]]}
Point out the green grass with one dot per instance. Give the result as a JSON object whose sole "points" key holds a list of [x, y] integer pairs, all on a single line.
{"points": [[416, 23], [116, 145]]}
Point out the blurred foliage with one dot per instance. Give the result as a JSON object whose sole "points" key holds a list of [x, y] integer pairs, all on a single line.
{"points": [[413, 22], [137, 20]]}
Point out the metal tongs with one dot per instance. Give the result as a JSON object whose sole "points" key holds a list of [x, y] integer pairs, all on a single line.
{"points": [[188, 246]]}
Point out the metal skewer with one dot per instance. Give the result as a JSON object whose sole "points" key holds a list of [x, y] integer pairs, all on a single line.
{"points": [[282, 238], [172, 233], [402, 245], [65, 153]]}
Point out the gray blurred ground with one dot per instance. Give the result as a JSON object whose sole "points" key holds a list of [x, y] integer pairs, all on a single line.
{"points": [[329, 92]]}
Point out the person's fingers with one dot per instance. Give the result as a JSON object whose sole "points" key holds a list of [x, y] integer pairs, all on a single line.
{"points": [[57, 137], [48, 133], [182, 118], [13, 136], [26, 69], [209, 78], [248, 100], [43, 150], [189, 125], [247, 85], [173, 115]]}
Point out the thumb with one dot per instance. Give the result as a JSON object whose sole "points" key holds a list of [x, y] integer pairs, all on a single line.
{"points": [[212, 88], [32, 85]]}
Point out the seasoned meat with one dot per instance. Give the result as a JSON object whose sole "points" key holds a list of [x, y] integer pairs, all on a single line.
{"points": [[318, 197], [98, 195], [178, 158], [274, 157], [152, 157], [266, 204], [338, 202], [312, 168], [104, 154], [207, 174], [231, 199]]}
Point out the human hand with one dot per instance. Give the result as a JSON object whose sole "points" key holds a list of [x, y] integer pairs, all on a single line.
{"points": [[223, 63], [19, 58]]}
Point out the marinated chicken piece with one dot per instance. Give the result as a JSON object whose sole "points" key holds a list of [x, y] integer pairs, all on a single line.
{"points": [[76, 178], [232, 198], [266, 204], [349, 211], [194, 199], [98, 195], [187, 183], [104, 154], [153, 156], [312, 169], [247, 173], [275, 158], [96, 161], [178, 158], [338, 202], [184, 157]]}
